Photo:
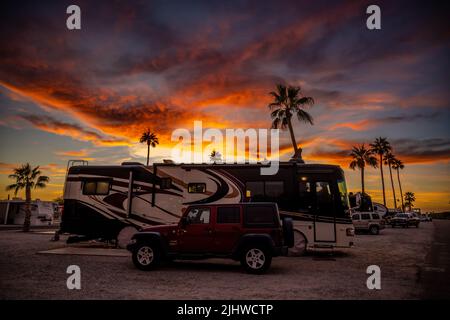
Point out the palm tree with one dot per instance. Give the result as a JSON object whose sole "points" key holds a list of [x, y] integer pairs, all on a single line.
{"points": [[289, 101], [151, 139], [398, 165], [381, 146], [389, 159], [362, 157], [27, 178], [410, 197], [215, 156]]}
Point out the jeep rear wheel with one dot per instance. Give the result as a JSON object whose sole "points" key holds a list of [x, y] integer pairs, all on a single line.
{"points": [[146, 256], [256, 259], [299, 248]]}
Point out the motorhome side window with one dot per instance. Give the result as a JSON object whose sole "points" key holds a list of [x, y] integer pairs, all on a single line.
{"points": [[197, 187], [305, 196], [264, 190], [256, 190], [324, 198], [165, 183], [274, 189], [96, 187]]}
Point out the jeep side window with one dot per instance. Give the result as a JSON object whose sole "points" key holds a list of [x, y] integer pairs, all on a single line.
{"points": [[355, 217], [260, 216], [365, 216], [198, 216], [375, 216], [228, 215]]}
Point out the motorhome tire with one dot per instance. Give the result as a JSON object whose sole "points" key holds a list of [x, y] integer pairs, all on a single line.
{"points": [[124, 236], [146, 256], [256, 259], [299, 248]]}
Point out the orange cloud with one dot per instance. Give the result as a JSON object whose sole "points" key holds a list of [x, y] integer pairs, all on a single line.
{"points": [[72, 153]]}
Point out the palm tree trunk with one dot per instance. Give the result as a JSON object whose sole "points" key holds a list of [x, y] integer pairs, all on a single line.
{"points": [[148, 152], [291, 131], [401, 192], [362, 179], [382, 179], [27, 221], [392, 183]]}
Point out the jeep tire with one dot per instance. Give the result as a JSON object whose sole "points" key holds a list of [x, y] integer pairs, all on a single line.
{"points": [[146, 256], [288, 232], [256, 259]]}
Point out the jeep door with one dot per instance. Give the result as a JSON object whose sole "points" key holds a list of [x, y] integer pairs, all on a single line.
{"points": [[227, 229], [196, 236]]}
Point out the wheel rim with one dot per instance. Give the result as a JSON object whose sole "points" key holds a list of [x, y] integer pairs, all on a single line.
{"points": [[145, 256], [255, 258]]}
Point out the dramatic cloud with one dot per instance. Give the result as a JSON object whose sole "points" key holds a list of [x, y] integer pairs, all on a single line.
{"points": [[49, 124], [163, 64]]}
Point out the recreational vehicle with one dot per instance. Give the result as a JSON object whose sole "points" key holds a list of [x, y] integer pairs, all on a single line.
{"points": [[114, 202], [13, 212]]}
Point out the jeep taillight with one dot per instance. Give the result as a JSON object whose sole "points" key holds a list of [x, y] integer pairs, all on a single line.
{"points": [[350, 232]]}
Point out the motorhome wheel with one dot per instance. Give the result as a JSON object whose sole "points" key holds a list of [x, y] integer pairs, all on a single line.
{"points": [[124, 236], [299, 247]]}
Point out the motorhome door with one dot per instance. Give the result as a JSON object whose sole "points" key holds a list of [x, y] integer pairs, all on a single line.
{"points": [[324, 218]]}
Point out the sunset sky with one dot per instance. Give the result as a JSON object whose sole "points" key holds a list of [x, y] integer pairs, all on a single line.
{"points": [[90, 93]]}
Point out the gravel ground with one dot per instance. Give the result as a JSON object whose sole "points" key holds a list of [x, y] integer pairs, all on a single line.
{"points": [[400, 253]]}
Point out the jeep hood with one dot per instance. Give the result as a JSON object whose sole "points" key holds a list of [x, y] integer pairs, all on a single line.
{"points": [[163, 229]]}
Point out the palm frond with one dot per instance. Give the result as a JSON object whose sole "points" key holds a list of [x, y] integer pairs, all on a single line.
{"points": [[304, 116]]}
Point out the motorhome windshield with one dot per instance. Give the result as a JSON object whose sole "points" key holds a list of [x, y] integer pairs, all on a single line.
{"points": [[343, 193]]}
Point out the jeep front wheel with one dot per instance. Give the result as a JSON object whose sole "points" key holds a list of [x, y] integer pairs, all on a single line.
{"points": [[145, 256], [256, 260]]}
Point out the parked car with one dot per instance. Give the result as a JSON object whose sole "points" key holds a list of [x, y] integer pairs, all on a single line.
{"points": [[251, 233], [404, 220], [414, 219], [426, 217], [368, 221]]}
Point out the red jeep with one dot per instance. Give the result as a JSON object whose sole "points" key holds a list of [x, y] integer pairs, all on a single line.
{"points": [[249, 232]]}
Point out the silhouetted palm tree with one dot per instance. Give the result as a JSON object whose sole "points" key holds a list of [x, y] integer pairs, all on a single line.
{"points": [[389, 159], [362, 157], [410, 197], [27, 178], [288, 101], [151, 139], [215, 156], [398, 165], [381, 146]]}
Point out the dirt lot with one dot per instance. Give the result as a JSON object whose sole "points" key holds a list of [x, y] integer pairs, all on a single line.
{"points": [[400, 253]]}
